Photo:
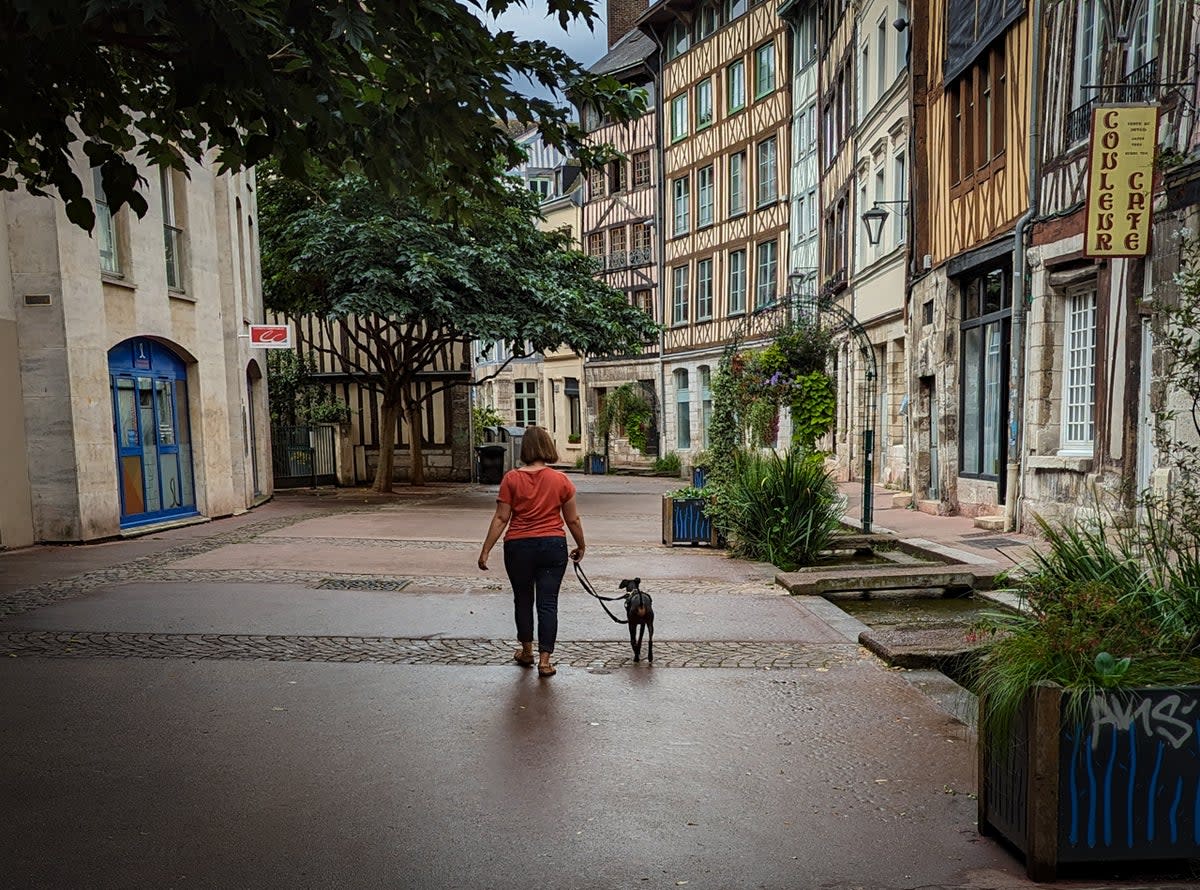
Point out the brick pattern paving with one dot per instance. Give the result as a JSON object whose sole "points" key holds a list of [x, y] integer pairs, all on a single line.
{"points": [[408, 544], [401, 650]]}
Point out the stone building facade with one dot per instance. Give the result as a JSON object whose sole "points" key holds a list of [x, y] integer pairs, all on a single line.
{"points": [[131, 397]]}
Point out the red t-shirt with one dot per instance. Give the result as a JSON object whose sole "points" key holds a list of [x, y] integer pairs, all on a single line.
{"points": [[537, 500]]}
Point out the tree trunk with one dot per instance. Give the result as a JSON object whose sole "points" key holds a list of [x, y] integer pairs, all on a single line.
{"points": [[417, 474], [387, 445]]}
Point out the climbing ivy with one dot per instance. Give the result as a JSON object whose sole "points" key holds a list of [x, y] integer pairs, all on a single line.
{"points": [[627, 408]]}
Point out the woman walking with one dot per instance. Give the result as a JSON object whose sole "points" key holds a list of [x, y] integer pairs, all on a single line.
{"points": [[534, 502]]}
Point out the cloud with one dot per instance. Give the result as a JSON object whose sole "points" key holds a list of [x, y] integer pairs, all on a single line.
{"points": [[530, 22]]}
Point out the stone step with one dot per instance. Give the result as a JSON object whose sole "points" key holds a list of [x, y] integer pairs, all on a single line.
{"points": [[991, 523], [902, 499], [953, 579]]}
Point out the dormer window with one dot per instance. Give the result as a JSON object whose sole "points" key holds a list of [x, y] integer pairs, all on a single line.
{"points": [[708, 19], [677, 40]]}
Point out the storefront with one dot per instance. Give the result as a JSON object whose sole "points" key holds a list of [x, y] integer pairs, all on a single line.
{"points": [[153, 433]]}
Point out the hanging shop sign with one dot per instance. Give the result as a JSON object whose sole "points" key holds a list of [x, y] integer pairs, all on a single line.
{"points": [[1120, 180], [271, 336]]}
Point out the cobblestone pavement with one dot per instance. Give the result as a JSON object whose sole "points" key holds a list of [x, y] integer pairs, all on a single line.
{"points": [[396, 650]]}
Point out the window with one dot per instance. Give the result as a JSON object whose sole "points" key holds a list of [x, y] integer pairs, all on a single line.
{"points": [[641, 169], [640, 254], [1143, 39], [679, 117], [679, 295], [764, 283], [881, 69], [1079, 373], [704, 196], [704, 104], [616, 176], [677, 41], [737, 183], [737, 281], [764, 70], [596, 183], [106, 230], [571, 391], [977, 117], [806, 37], [1087, 51], [735, 86], [541, 187], [899, 193], [706, 403], [880, 196], [810, 224], [707, 21], [986, 307], [616, 247], [595, 244], [902, 37], [863, 71], [525, 402], [679, 196], [591, 117], [172, 233], [735, 8], [861, 247], [644, 300], [704, 290], [683, 411], [768, 175]]}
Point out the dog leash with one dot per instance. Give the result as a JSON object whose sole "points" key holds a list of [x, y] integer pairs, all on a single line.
{"points": [[604, 600]]}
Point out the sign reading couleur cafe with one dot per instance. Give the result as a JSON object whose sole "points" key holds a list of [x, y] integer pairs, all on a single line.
{"points": [[1120, 180]]}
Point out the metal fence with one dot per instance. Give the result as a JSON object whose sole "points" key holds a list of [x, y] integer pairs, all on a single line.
{"points": [[303, 455]]}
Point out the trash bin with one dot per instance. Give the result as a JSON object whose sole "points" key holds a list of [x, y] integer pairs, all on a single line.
{"points": [[491, 463], [514, 435]]}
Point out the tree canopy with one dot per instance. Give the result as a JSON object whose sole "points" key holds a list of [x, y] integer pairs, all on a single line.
{"points": [[405, 286], [408, 94]]}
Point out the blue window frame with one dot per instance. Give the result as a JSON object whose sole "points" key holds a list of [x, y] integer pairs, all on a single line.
{"points": [[152, 432]]}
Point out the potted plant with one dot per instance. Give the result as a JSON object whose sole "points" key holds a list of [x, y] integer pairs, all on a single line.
{"points": [[685, 518], [574, 438], [1090, 700]]}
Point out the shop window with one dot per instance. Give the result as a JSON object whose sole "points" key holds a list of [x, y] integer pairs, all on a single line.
{"points": [[986, 307]]}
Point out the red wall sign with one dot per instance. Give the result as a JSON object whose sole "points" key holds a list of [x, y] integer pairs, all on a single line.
{"points": [[271, 336]]}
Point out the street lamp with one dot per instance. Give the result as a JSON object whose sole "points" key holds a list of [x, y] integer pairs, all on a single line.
{"points": [[874, 219]]}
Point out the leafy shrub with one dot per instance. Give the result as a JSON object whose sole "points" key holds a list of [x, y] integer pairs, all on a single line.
{"points": [[783, 510], [667, 465], [1102, 608], [686, 493], [484, 416], [626, 408]]}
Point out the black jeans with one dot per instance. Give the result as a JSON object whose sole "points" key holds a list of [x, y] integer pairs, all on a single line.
{"points": [[535, 568]]}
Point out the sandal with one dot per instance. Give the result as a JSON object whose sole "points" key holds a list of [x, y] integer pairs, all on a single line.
{"points": [[546, 670], [525, 659]]}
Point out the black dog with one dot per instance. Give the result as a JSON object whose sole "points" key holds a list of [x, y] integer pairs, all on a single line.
{"points": [[640, 612]]}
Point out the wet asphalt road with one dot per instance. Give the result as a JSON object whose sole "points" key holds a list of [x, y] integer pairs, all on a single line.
{"points": [[316, 764]]}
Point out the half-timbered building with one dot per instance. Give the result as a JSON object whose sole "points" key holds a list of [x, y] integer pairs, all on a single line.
{"points": [[340, 362], [621, 204], [971, 77], [1088, 419], [726, 113], [836, 153]]}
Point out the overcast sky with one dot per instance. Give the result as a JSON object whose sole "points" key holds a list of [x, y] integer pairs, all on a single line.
{"points": [[531, 23]]}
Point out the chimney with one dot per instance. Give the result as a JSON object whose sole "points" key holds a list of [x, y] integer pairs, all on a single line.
{"points": [[621, 16]]}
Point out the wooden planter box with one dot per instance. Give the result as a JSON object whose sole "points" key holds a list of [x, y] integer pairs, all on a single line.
{"points": [[596, 465], [699, 477], [1122, 785], [684, 522]]}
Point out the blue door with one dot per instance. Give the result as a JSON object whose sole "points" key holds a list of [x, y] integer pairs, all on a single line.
{"points": [[153, 436]]}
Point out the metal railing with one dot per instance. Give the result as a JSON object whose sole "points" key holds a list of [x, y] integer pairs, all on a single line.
{"points": [[1139, 85]]}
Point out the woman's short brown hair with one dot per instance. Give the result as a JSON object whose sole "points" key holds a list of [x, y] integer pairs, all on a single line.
{"points": [[537, 445]]}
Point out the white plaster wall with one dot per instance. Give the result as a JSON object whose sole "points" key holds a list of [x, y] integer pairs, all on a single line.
{"points": [[64, 348], [16, 506]]}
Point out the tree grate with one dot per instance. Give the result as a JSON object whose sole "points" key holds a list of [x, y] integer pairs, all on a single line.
{"points": [[363, 584]]}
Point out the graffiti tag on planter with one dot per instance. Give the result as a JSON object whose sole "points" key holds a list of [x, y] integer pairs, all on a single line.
{"points": [[1162, 718]]}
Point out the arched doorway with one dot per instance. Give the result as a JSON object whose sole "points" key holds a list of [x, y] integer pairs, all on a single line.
{"points": [[153, 433], [253, 385]]}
